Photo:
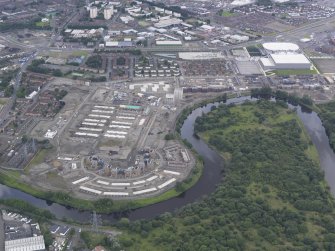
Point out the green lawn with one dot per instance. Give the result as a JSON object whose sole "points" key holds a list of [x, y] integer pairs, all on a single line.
{"points": [[294, 72], [42, 24], [227, 14], [3, 101], [79, 53], [143, 23]]}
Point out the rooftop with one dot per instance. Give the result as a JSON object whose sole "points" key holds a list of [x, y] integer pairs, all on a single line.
{"points": [[281, 46], [25, 244], [290, 58]]}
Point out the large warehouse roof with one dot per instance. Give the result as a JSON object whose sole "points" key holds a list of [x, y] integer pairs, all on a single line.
{"points": [[25, 244], [281, 46], [290, 59], [168, 22]]}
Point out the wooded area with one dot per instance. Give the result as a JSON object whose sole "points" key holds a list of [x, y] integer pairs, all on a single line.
{"points": [[273, 196], [327, 116]]}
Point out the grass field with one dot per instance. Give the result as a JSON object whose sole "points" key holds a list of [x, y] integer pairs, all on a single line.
{"points": [[143, 23], [3, 101], [79, 53], [293, 72], [42, 24], [227, 14]]}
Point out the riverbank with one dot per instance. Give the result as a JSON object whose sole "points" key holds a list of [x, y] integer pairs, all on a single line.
{"points": [[327, 115]]}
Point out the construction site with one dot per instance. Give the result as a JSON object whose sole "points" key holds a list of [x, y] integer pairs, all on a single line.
{"points": [[107, 141]]}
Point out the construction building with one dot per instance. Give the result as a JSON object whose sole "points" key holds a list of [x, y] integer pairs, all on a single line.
{"points": [[108, 12], [93, 12]]}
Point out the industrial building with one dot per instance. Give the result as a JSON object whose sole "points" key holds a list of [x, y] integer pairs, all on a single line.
{"points": [[20, 233], [164, 23], [285, 61], [281, 56], [120, 44], [35, 243]]}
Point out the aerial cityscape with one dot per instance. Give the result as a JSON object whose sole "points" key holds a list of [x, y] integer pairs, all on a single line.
{"points": [[167, 125]]}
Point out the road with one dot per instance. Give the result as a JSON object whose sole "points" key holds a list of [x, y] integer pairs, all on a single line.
{"points": [[2, 233]]}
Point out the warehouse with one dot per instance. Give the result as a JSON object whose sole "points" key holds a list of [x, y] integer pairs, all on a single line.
{"points": [[164, 23], [285, 61], [25, 244], [283, 56]]}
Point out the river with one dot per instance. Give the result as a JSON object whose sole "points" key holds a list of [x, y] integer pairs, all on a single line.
{"points": [[212, 173]]}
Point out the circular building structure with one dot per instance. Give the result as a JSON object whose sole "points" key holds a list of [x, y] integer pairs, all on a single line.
{"points": [[275, 47]]}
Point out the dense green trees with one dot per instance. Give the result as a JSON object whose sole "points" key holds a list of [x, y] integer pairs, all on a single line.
{"points": [[35, 66], [327, 115], [94, 61], [26, 208], [5, 79], [273, 196], [120, 61], [267, 93], [59, 94], [28, 24], [92, 240]]}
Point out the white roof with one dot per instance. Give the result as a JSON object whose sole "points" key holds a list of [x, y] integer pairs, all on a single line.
{"points": [[31, 95], [290, 59], [25, 244], [281, 46], [207, 27], [242, 2], [168, 42], [112, 43], [200, 55], [168, 22], [267, 62]]}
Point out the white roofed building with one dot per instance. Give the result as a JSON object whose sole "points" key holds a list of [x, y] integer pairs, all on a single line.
{"points": [[35, 243], [277, 47], [285, 61], [168, 22], [168, 42], [284, 56]]}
